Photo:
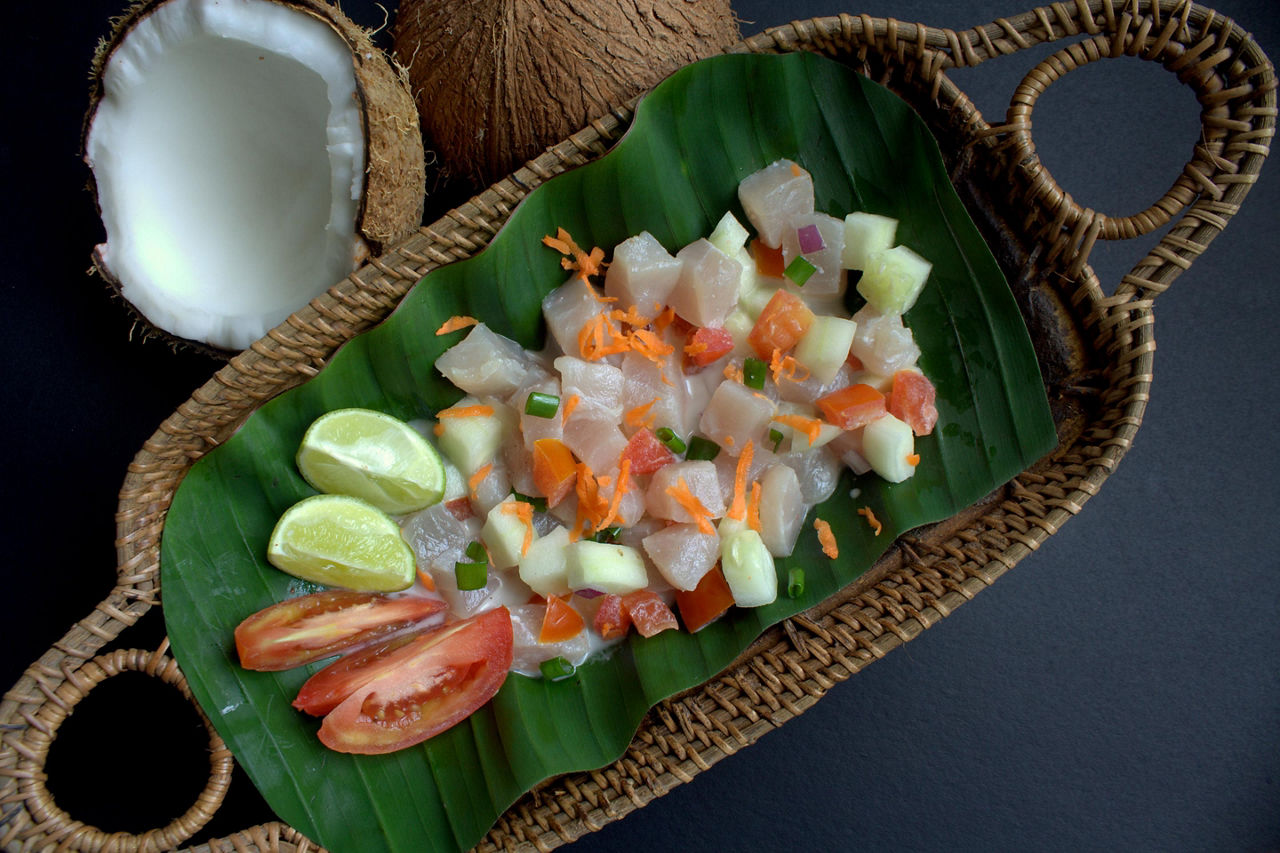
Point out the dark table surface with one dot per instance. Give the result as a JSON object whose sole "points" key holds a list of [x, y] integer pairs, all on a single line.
{"points": [[1119, 689]]}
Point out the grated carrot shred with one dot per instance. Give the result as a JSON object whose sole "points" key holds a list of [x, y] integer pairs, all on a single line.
{"points": [[639, 416], [456, 322], [624, 486], [811, 427], [632, 316], [694, 347], [523, 511], [786, 365], [913, 459], [586, 263], [690, 503], [474, 481], [425, 578], [753, 506], [738, 508], [870, 516], [478, 411], [664, 319], [733, 372], [569, 406], [826, 538], [796, 170]]}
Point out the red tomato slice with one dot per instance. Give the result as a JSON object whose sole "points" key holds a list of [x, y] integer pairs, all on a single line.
{"points": [[781, 324], [706, 602], [649, 613], [646, 452], [853, 406], [612, 619], [560, 623], [310, 627], [912, 400], [326, 690], [706, 345], [424, 687]]}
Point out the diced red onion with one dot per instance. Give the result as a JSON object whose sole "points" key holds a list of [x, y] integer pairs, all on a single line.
{"points": [[588, 593], [810, 239]]}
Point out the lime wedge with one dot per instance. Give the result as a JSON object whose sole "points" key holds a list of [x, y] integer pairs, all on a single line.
{"points": [[371, 455], [337, 540]]}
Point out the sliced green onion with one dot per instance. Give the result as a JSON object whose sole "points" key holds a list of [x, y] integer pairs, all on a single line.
{"points": [[541, 405], [753, 373], [795, 583], [776, 437], [557, 668], [799, 270], [668, 437], [539, 504], [476, 553], [471, 575], [702, 448], [609, 534]]}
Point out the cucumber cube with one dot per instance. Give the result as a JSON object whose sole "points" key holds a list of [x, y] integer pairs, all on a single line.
{"points": [[503, 534], [472, 442], [605, 567], [893, 279], [825, 346], [865, 234], [748, 568], [544, 566], [729, 236], [886, 444]]}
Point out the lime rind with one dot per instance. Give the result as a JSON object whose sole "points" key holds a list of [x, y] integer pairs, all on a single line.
{"points": [[373, 456], [342, 541]]}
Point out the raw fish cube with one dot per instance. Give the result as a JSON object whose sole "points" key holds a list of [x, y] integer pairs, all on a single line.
{"points": [[782, 510], [485, 363], [567, 309], [882, 343], [708, 286], [595, 438], [818, 471], [828, 278], [699, 478], [735, 415], [682, 553], [641, 274], [643, 383], [593, 383], [527, 653], [775, 195], [533, 427]]}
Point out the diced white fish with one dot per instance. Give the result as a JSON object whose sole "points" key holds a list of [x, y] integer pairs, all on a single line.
{"points": [[775, 195], [882, 343], [734, 415], [569, 308], [438, 538], [848, 446], [762, 458], [533, 427], [828, 279], [643, 383], [699, 477], [808, 389], [707, 289], [595, 437], [593, 383], [528, 654], [491, 489], [485, 363], [641, 274], [682, 553], [782, 510], [818, 471]]}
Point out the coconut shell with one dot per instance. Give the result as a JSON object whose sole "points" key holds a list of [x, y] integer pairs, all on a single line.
{"points": [[392, 203], [498, 81]]}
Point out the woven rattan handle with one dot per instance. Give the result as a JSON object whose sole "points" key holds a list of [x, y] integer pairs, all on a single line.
{"points": [[56, 824]]}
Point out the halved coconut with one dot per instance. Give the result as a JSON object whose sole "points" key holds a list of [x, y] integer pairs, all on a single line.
{"points": [[247, 155]]}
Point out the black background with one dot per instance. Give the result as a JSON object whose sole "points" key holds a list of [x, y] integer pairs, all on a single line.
{"points": [[1119, 689]]}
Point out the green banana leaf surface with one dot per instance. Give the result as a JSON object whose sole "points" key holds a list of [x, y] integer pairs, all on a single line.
{"points": [[674, 174]]}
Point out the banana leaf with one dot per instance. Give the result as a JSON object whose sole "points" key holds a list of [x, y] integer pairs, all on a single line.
{"points": [[674, 174]]}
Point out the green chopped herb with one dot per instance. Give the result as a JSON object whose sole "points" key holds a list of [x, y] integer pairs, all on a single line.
{"points": [[669, 438], [541, 405], [776, 437], [609, 534], [753, 373], [557, 668], [539, 504], [476, 553], [799, 270], [471, 575], [702, 448], [795, 583]]}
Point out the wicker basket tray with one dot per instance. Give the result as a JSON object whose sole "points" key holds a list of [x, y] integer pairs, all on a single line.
{"points": [[1095, 351]]}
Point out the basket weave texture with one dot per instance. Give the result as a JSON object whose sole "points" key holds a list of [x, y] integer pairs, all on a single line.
{"points": [[925, 577]]}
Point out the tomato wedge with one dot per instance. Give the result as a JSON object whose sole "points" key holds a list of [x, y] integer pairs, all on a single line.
{"points": [[706, 602], [322, 624], [423, 687]]}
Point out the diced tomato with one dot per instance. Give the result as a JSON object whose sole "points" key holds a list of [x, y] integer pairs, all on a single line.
{"points": [[649, 613], [707, 345], [310, 627], [560, 623], [706, 602], [424, 687], [912, 399], [554, 469], [853, 406], [646, 452], [612, 619], [781, 324], [460, 508], [769, 261]]}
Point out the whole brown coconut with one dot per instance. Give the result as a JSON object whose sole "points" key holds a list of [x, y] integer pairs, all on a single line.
{"points": [[497, 81], [246, 156]]}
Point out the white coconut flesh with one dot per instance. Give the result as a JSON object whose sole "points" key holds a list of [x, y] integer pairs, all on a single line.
{"points": [[228, 151]]}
